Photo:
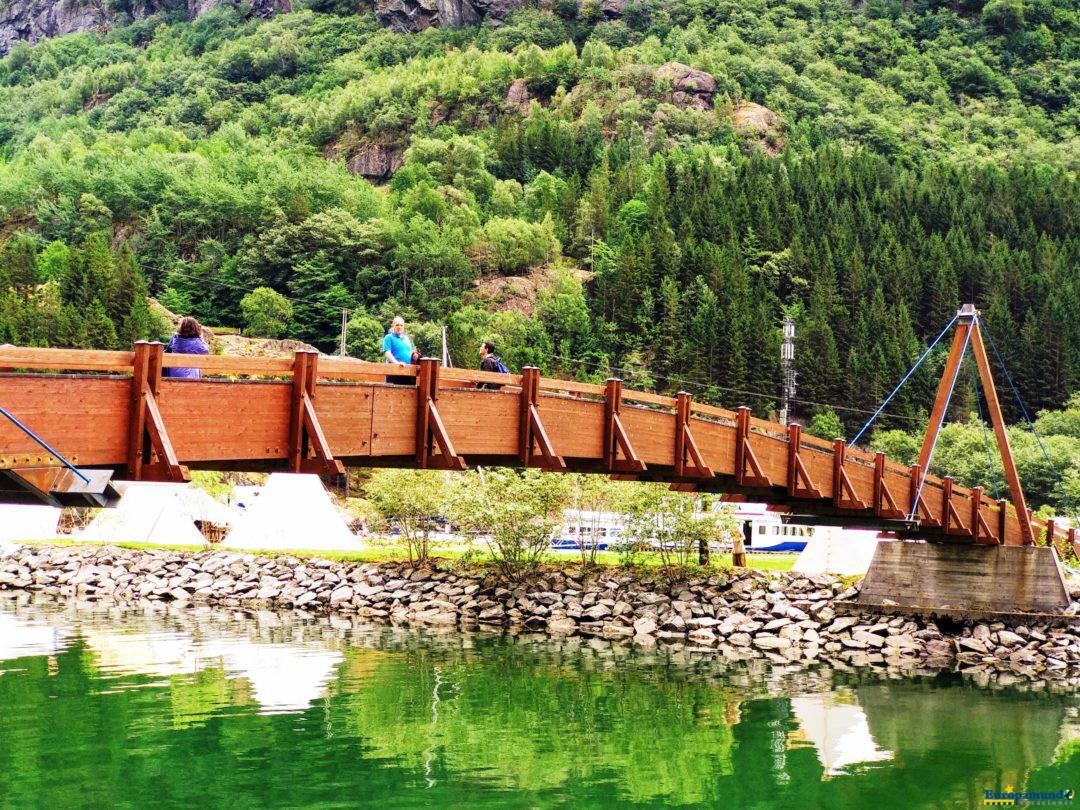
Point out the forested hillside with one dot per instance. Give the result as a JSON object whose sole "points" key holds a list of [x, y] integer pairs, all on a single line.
{"points": [[920, 156]]}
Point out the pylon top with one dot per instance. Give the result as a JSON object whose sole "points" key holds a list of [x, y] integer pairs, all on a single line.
{"points": [[967, 312]]}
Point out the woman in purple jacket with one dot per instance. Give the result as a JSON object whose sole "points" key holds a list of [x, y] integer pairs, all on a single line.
{"points": [[187, 340]]}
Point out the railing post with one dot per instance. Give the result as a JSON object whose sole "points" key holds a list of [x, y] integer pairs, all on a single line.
{"points": [[150, 453], [431, 434]]}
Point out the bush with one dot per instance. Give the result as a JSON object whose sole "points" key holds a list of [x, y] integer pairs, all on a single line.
{"points": [[267, 313]]}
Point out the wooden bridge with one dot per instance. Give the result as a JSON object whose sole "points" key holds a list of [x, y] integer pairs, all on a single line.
{"points": [[114, 411]]}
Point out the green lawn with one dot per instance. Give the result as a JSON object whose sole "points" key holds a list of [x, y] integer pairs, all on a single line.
{"points": [[377, 553]]}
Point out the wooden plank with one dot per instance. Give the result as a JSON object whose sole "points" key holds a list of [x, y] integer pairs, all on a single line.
{"points": [[88, 422], [393, 419], [230, 364], [345, 415], [193, 409], [571, 387], [717, 444], [651, 433], [347, 368], [772, 429], [480, 422], [713, 412], [65, 359], [648, 398], [575, 426], [474, 376]]}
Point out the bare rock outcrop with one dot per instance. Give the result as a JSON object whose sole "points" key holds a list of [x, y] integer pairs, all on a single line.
{"points": [[415, 15], [518, 95], [759, 124], [33, 20], [689, 87], [376, 161]]}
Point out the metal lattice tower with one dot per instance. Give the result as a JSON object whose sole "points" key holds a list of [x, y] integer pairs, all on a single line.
{"points": [[787, 355]]}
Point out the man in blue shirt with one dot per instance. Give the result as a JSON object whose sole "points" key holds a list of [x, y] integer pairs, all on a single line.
{"points": [[398, 348]]}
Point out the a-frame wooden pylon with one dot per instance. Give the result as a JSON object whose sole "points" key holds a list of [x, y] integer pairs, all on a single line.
{"points": [[968, 332]]}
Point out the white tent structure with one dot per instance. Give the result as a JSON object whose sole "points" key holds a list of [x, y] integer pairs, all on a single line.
{"points": [[156, 513], [292, 512], [838, 730], [846, 552], [21, 522]]}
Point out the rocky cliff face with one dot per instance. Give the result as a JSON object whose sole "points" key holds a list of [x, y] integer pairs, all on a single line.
{"points": [[31, 20], [416, 15]]}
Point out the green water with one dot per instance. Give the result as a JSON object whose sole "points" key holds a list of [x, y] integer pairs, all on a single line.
{"points": [[103, 707]]}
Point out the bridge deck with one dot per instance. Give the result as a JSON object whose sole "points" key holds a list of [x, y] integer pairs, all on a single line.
{"points": [[246, 417]]}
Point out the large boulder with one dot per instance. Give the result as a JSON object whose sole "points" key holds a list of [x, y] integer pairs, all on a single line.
{"points": [[689, 87], [759, 125]]}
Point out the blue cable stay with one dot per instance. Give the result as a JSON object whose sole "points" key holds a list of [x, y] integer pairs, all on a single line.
{"points": [[937, 433], [1016, 394], [907, 376], [43, 443], [982, 422]]}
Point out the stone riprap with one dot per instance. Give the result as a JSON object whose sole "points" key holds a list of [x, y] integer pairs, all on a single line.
{"points": [[786, 618]]}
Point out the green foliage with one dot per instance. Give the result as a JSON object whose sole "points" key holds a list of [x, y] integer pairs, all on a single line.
{"points": [[517, 511], [826, 425], [927, 157], [267, 313], [412, 499]]}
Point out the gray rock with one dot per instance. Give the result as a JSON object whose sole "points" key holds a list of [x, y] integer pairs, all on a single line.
{"points": [[766, 642]]}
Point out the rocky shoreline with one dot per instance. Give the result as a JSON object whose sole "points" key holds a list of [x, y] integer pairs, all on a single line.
{"points": [[786, 618]]}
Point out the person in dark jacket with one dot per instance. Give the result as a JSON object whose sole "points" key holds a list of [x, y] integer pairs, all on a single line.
{"points": [[490, 362], [187, 340]]}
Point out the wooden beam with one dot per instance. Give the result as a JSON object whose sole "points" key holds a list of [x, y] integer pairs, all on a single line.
{"points": [[688, 459], [799, 483], [945, 387], [919, 509], [1016, 492], [306, 437], [844, 495], [431, 434], [616, 439], [150, 454], [744, 454], [532, 435]]}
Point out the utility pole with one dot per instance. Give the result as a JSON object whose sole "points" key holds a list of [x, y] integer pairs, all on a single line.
{"points": [[445, 350], [344, 331], [787, 356]]}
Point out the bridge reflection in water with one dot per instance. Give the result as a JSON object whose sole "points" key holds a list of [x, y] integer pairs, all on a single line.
{"points": [[309, 702]]}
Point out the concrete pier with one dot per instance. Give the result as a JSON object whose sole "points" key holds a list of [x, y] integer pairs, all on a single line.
{"points": [[951, 577]]}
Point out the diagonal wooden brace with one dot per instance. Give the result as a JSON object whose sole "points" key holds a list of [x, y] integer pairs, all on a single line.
{"points": [[688, 459], [744, 454], [431, 433], [884, 502], [979, 526], [616, 439], [309, 452], [844, 495], [799, 483], [534, 447], [954, 525], [150, 455], [919, 509]]}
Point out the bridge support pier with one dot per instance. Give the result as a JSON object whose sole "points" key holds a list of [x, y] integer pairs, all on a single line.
{"points": [[948, 579]]}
